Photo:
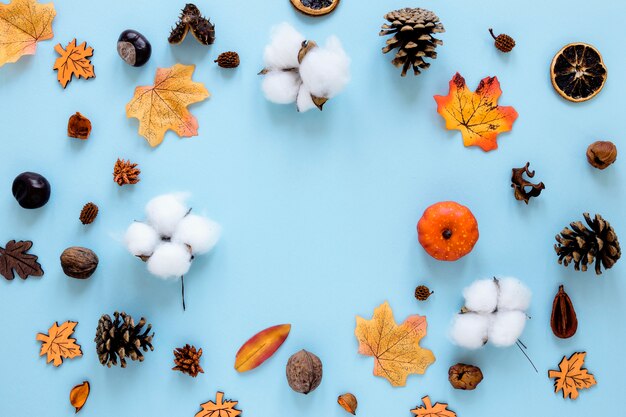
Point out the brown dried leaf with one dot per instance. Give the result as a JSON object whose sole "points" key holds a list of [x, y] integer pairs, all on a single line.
{"points": [[79, 395], [58, 345], [14, 258]]}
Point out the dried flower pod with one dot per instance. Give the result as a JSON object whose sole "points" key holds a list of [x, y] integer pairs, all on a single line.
{"points": [[201, 27], [79, 262], [348, 402], [601, 154], [78, 126], [464, 377], [88, 214], [125, 172], [228, 59], [519, 184], [503, 42], [304, 372], [563, 321], [187, 360], [422, 292]]}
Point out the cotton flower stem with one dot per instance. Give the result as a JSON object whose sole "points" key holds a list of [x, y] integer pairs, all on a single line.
{"points": [[182, 286], [519, 344]]}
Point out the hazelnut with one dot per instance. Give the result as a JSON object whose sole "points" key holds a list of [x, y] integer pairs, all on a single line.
{"points": [[601, 154], [465, 377], [79, 262], [304, 372]]}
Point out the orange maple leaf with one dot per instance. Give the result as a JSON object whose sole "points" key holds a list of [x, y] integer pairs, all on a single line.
{"points": [[163, 106], [219, 408], [572, 376], [74, 61], [58, 345], [476, 114], [428, 410], [395, 349], [23, 23]]}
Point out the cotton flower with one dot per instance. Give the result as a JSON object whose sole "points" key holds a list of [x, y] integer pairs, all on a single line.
{"points": [[141, 239], [165, 211], [198, 233], [169, 260]]}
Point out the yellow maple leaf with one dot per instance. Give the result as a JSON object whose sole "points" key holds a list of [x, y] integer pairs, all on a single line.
{"points": [[219, 408], [428, 410], [572, 376], [395, 349], [58, 345], [74, 61], [163, 106]]}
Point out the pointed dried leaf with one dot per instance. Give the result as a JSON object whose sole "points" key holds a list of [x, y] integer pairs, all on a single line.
{"points": [[79, 395], [476, 114], [261, 347], [571, 376], [73, 61], [219, 408], [428, 410], [58, 345], [163, 106], [395, 349], [14, 258], [23, 23]]}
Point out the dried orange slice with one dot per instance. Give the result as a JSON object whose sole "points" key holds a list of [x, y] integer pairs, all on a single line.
{"points": [[578, 72], [315, 7]]}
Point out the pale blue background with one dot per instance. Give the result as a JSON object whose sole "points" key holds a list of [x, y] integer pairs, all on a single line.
{"points": [[318, 209]]}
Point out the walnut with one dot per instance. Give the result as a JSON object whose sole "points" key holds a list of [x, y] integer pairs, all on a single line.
{"points": [[601, 154], [304, 372], [79, 262], [465, 377]]}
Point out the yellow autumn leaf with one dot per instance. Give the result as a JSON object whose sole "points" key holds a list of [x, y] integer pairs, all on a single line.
{"points": [[163, 106], [23, 23]]}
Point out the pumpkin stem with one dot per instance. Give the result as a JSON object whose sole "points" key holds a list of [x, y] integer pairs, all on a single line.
{"points": [[447, 234]]}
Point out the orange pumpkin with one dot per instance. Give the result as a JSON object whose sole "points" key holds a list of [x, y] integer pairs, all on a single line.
{"points": [[447, 231]]}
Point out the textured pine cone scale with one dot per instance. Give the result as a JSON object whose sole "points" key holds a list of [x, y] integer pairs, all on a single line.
{"points": [[121, 339]]}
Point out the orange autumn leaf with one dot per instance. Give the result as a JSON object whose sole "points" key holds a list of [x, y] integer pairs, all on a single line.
{"points": [[219, 408], [395, 349], [476, 114], [571, 376], [58, 345], [163, 106], [79, 395], [428, 410], [23, 23], [261, 347], [74, 61]]}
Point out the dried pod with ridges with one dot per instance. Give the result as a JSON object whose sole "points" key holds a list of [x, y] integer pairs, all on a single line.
{"points": [[348, 402], [228, 59], [89, 213], [502, 42], [78, 126], [78, 262], [422, 292], [563, 320], [464, 377]]}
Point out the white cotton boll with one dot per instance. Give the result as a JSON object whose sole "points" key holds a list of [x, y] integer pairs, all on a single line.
{"points": [[141, 239], [281, 86], [170, 260], [506, 327], [200, 233], [165, 211], [514, 295], [305, 101], [469, 330], [282, 52], [326, 71], [481, 296]]}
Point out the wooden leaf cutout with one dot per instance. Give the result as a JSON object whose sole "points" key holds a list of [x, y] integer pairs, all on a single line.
{"points": [[13, 257], [219, 408], [23, 23], [261, 347], [571, 376], [429, 410], [395, 349], [58, 345], [79, 395], [163, 106], [74, 61], [476, 114]]}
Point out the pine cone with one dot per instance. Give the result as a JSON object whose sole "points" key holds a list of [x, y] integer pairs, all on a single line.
{"points": [[503, 42], [125, 172], [187, 360], [89, 213], [422, 293], [228, 60], [412, 30], [581, 245], [121, 337]]}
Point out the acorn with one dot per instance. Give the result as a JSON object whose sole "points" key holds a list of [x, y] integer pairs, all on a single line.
{"points": [[31, 190], [79, 262], [503, 42], [134, 48], [304, 372]]}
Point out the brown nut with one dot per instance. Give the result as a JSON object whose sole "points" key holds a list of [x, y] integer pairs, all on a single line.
{"points": [[79, 262], [304, 372], [601, 154], [78, 126], [465, 377], [348, 402]]}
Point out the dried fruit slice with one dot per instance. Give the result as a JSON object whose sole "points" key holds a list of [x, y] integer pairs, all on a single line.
{"points": [[578, 72], [315, 7]]}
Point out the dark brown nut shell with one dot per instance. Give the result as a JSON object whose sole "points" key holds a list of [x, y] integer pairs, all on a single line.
{"points": [[78, 126], [601, 154], [465, 377], [563, 321], [304, 372], [78, 262]]}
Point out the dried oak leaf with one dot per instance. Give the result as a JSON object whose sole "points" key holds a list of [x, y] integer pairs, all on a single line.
{"points": [[13, 257], [163, 106], [395, 349], [476, 114], [23, 23], [219, 408], [58, 345], [74, 61], [571, 376], [428, 410]]}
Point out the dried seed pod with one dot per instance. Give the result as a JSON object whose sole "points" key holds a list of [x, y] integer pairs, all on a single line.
{"points": [[464, 377], [79, 262], [563, 321], [519, 184], [348, 402], [228, 59], [304, 372], [503, 42], [78, 126], [601, 154], [79, 395], [422, 292], [88, 214]]}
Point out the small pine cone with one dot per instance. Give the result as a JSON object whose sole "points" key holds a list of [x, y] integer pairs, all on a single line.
{"points": [[503, 42], [187, 360], [89, 213], [125, 172], [422, 293], [228, 60]]}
